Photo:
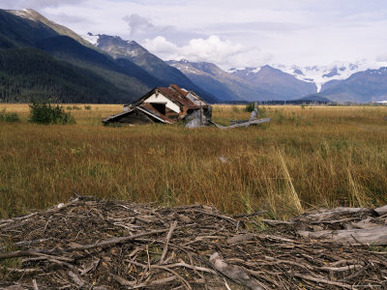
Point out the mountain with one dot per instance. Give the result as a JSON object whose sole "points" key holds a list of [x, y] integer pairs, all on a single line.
{"points": [[42, 59], [16, 31], [24, 32], [118, 79], [280, 85], [38, 19], [320, 75], [121, 50], [127, 76], [211, 78], [248, 84], [361, 87]]}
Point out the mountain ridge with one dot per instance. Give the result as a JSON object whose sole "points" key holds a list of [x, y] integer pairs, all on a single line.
{"points": [[27, 29], [129, 70], [131, 50]]}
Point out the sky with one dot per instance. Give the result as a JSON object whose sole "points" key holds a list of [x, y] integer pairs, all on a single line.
{"points": [[232, 33]]}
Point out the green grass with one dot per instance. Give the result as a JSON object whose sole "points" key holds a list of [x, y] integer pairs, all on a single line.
{"points": [[305, 158]]}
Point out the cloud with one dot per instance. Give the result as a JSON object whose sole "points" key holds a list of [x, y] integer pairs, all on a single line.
{"points": [[232, 33], [138, 24], [142, 25], [212, 49], [161, 45], [40, 4]]}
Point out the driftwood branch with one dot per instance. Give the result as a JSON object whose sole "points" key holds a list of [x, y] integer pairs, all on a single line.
{"points": [[235, 273], [173, 226], [374, 236]]}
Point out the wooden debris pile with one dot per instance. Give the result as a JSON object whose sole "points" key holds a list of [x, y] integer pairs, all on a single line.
{"points": [[93, 244]]}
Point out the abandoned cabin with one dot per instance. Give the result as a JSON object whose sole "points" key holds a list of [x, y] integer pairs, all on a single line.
{"points": [[166, 105]]}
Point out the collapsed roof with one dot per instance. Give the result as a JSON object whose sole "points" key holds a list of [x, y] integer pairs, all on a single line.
{"points": [[165, 105]]}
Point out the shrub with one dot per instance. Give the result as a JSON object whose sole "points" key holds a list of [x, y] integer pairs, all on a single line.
{"points": [[8, 117], [261, 110], [43, 113], [87, 107], [250, 107]]}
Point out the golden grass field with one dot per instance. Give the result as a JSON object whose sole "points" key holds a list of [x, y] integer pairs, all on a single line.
{"points": [[306, 157]]}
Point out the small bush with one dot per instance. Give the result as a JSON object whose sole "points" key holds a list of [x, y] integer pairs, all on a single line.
{"points": [[87, 107], [250, 107], [8, 117], [43, 113]]}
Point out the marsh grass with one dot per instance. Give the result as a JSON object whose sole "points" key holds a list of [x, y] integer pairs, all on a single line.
{"points": [[305, 158]]}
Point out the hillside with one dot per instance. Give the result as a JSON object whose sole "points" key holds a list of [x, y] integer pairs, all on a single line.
{"points": [[94, 72], [29, 74], [16, 31], [35, 17], [127, 76]]}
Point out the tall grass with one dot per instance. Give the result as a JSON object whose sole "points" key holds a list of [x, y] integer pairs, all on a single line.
{"points": [[305, 158]]}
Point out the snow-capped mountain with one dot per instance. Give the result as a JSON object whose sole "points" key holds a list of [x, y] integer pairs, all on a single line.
{"points": [[283, 85], [262, 84], [335, 71], [361, 87]]}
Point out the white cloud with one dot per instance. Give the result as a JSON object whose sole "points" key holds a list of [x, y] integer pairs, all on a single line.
{"points": [[161, 45], [212, 49]]}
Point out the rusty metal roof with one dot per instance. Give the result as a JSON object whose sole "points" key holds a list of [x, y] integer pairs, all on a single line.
{"points": [[174, 93], [177, 96]]}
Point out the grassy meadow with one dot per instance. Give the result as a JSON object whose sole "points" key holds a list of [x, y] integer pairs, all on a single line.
{"points": [[306, 157]]}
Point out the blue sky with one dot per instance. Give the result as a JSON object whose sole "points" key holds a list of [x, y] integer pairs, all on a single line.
{"points": [[233, 33]]}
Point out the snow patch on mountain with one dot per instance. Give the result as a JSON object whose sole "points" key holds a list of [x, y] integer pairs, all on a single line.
{"points": [[318, 74], [335, 71], [93, 39], [248, 70]]}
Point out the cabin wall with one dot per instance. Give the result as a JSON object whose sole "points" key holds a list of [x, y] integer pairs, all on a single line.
{"points": [[159, 98]]}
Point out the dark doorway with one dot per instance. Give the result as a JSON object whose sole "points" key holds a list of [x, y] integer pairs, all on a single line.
{"points": [[159, 107]]}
